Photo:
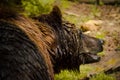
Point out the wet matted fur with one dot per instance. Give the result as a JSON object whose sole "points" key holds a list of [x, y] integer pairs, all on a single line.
{"points": [[29, 49], [24, 48], [73, 47]]}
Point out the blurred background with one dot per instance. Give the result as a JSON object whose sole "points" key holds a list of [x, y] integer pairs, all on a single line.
{"points": [[98, 18]]}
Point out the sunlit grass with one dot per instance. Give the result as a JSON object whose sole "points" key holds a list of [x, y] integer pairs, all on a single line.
{"points": [[73, 75], [37, 7], [72, 19], [102, 76], [100, 35], [65, 4], [95, 11], [112, 61], [101, 54], [68, 75], [85, 70]]}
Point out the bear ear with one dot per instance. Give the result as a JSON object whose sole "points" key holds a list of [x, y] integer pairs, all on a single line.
{"points": [[56, 13]]}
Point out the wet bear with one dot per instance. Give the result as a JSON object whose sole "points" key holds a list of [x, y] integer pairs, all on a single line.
{"points": [[32, 50], [72, 46], [23, 47]]}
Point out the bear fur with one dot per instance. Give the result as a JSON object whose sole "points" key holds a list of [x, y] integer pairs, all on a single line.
{"points": [[24, 47], [73, 47], [36, 49]]}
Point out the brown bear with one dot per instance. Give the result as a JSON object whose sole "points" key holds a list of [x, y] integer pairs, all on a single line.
{"points": [[35, 49], [23, 47], [73, 47]]}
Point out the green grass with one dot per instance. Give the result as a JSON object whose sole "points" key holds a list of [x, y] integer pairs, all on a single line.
{"points": [[37, 7], [78, 20], [84, 71], [101, 53], [74, 75], [100, 35], [64, 4], [102, 76], [68, 75], [72, 19], [95, 11]]}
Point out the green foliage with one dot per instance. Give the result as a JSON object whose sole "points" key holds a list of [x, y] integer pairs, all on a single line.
{"points": [[100, 35], [68, 75], [64, 4], [71, 75], [95, 11], [101, 2], [102, 76], [37, 7], [72, 18], [84, 71], [101, 53], [78, 20]]}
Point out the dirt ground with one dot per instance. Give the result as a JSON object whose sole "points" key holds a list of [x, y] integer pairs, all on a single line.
{"points": [[109, 29]]}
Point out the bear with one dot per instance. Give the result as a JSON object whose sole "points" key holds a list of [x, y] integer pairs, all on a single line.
{"points": [[24, 47], [73, 47], [35, 49]]}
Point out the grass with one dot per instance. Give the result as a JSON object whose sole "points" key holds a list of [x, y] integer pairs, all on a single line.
{"points": [[100, 35], [84, 71], [71, 75], [65, 4], [102, 76], [68, 75], [95, 11], [37, 7], [72, 19], [101, 54], [79, 19]]}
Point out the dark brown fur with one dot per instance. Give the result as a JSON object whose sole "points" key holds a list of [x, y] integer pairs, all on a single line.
{"points": [[73, 47], [24, 47], [30, 50], [20, 58]]}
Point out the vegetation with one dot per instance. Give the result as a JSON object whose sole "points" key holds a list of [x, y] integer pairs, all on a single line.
{"points": [[68, 75], [37, 7], [84, 71], [102, 76]]}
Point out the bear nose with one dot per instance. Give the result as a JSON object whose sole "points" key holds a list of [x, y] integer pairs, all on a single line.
{"points": [[102, 41]]}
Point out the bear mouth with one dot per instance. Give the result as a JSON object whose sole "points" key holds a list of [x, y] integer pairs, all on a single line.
{"points": [[89, 58], [95, 57]]}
